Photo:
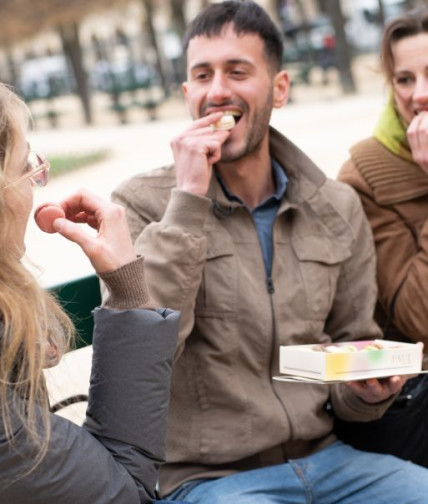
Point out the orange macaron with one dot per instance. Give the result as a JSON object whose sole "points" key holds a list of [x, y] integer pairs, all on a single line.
{"points": [[46, 214]]}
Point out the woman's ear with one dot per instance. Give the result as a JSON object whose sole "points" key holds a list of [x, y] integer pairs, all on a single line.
{"points": [[281, 88]]}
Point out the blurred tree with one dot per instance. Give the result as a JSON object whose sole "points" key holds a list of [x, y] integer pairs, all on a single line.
{"points": [[381, 12], [272, 8], [178, 28], [306, 28], [69, 33], [300, 6], [178, 18], [343, 49], [27, 18], [149, 6], [13, 76]]}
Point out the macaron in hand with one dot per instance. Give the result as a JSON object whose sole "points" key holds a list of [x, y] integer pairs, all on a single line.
{"points": [[226, 122], [46, 214]]}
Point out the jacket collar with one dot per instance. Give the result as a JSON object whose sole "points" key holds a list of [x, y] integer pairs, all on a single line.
{"points": [[304, 177], [391, 178]]}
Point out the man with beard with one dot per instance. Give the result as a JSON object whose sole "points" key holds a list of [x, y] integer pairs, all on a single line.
{"points": [[257, 248]]}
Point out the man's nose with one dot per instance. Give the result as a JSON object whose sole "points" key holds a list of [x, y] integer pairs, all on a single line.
{"points": [[219, 89]]}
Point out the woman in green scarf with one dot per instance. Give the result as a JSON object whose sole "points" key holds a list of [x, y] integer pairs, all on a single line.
{"points": [[390, 173]]}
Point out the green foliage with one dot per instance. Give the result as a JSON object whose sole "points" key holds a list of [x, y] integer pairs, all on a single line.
{"points": [[63, 163]]}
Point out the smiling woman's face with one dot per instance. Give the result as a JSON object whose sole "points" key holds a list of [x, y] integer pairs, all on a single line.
{"points": [[410, 77], [19, 198]]}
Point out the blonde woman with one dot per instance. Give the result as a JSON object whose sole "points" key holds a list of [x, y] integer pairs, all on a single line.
{"points": [[115, 456]]}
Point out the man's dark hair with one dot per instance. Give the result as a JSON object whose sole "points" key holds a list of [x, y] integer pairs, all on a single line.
{"points": [[247, 18]]}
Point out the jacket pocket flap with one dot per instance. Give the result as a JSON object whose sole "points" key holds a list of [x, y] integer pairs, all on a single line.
{"points": [[321, 249], [219, 245]]}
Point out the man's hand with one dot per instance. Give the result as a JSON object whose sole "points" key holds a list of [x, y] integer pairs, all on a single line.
{"points": [[376, 390], [195, 151], [417, 134]]}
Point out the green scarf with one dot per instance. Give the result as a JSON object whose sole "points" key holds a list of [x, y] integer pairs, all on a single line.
{"points": [[391, 132]]}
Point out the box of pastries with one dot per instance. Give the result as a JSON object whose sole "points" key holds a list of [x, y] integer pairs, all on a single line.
{"points": [[354, 360]]}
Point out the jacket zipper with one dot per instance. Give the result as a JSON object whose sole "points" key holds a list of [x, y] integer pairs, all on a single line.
{"points": [[271, 291]]}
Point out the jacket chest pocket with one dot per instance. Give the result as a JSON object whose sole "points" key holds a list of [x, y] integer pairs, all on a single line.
{"points": [[319, 261], [218, 290]]}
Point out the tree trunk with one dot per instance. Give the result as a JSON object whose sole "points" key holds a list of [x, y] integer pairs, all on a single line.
{"points": [[343, 50], [71, 45], [322, 6], [272, 9], [381, 9], [304, 20], [302, 12], [13, 76], [178, 19], [178, 24], [148, 5]]}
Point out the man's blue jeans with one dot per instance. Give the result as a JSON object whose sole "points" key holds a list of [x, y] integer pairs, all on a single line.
{"points": [[337, 474]]}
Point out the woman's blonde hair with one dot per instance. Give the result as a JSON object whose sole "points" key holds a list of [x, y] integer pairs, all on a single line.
{"points": [[33, 327]]}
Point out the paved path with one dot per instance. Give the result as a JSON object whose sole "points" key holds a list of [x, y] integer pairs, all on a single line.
{"points": [[324, 129]]}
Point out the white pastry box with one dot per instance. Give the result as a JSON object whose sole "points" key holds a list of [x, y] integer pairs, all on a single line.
{"points": [[354, 360]]}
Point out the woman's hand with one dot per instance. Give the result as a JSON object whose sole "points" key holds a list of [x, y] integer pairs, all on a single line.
{"points": [[417, 135], [112, 246]]}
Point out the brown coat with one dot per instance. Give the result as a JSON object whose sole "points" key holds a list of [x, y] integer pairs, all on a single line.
{"points": [[394, 194], [203, 258]]}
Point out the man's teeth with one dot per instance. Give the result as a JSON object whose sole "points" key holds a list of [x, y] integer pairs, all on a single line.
{"points": [[233, 113]]}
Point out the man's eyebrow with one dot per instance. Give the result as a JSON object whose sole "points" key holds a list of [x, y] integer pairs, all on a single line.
{"points": [[234, 61]]}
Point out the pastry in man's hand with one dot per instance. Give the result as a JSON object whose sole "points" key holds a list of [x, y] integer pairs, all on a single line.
{"points": [[226, 122]]}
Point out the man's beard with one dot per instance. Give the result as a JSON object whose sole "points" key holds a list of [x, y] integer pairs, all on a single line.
{"points": [[257, 131]]}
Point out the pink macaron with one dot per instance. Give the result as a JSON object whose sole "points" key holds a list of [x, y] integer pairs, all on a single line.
{"points": [[46, 214]]}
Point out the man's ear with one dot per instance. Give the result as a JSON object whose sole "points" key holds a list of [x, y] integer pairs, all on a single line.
{"points": [[281, 88], [186, 96], [184, 89]]}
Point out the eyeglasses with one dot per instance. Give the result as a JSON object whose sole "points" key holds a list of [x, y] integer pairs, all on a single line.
{"points": [[38, 171]]}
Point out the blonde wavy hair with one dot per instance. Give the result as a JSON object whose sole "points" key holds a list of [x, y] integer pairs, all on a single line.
{"points": [[34, 330]]}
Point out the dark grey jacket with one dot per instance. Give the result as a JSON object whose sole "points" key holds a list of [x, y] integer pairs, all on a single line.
{"points": [[115, 456]]}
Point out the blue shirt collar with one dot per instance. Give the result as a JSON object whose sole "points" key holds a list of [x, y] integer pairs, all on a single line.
{"points": [[281, 181]]}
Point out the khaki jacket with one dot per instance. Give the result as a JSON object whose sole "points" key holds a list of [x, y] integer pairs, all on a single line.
{"points": [[394, 194], [203, 257]]}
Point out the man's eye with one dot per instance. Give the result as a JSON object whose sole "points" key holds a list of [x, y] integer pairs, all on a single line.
{"points": [[238, 74], [201, 76]]}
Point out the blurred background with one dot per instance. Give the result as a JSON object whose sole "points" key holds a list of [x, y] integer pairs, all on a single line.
{"points": [[102, 80], [104, 61]]}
